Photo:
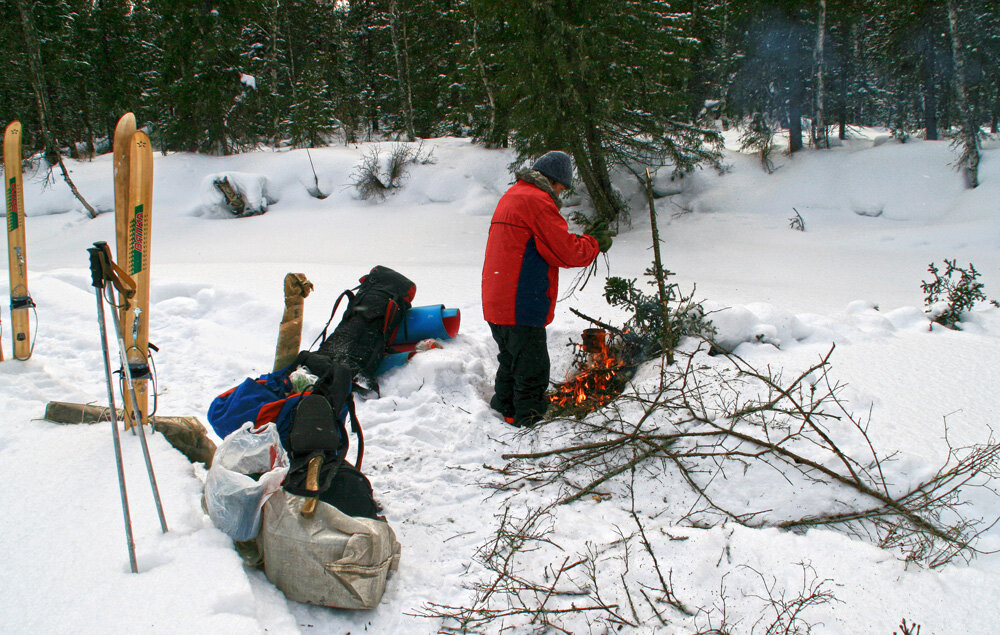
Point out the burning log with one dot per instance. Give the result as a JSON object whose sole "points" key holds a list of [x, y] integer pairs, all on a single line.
{"points": [[600, 374]]}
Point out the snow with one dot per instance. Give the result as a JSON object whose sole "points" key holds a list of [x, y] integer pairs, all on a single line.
{"points": [[876, 213]]}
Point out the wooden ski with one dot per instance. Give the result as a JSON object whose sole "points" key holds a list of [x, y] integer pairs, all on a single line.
{"points": [[17, 256], [133, 242], [122, 142]]}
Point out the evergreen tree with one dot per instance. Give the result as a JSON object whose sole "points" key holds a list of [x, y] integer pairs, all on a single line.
{"points": [[310, 117], [115, 60], [16, 99], [598, 80], [475, 93], [912, 48], [852, 86], [776, 76], [198, 84]]}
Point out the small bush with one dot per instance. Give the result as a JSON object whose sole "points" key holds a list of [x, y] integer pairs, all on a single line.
{"points": [[759, 137], [947, 298], [376, 176], [797, 222]]}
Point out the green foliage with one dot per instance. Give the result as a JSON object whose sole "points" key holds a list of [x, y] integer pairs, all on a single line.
{"points": [[311, 120], [602, 81], [616, 84], [948, 297], [658, 320], [758, 137]]}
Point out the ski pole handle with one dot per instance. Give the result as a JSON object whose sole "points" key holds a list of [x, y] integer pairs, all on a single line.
{"points": [[97, 267], [101, 263]]}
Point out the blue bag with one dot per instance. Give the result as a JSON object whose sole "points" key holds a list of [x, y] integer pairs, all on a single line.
{"points": [[269, 398]]}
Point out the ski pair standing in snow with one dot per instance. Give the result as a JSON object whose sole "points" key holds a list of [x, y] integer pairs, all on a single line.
{"points": [[529, 242]]}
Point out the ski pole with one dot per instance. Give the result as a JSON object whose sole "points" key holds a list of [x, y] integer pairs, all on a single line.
{"points": [[116, 278], [97, 277]]}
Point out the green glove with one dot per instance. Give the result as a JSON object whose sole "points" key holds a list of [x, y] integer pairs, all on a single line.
{"points": [[603, 238]]}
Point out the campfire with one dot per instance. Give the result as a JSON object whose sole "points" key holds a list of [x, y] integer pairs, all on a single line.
{"points": [[598, 375]]}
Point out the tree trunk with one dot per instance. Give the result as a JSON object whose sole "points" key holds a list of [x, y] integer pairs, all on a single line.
{"points": [[969, 135], [819, 126], [995, 113], [930, 95], [398, 33], [794, 122], [930, 110], [491, 132], [272, 62], [34, 54], [588, 153]]}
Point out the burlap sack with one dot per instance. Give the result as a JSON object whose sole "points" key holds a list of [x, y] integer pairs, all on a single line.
{"points": [[329, 559]]}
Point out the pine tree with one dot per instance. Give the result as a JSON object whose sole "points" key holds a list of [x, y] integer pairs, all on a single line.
{"points": [[911, 45], [16, 98], [199, 80], [475, 93], [310, 118], [599, 81], [776, 77], [115, 60], [968, 135]]}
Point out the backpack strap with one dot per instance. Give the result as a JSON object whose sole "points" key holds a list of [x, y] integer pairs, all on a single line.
{"points": [[326, 327], [356, 427]]}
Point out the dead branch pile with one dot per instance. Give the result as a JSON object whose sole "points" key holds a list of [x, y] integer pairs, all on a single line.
{"points": [[719, 442], [721, 430]]}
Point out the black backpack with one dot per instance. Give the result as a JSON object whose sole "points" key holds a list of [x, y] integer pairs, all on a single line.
{"points": [[318, 429], [354, 350], [370, 320]]}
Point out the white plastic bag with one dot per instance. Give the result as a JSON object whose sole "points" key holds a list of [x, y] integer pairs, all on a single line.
{"points": [[233, 498]]}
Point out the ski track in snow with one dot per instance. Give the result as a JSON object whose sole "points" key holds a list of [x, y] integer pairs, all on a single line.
{"points": [[431, 434]]}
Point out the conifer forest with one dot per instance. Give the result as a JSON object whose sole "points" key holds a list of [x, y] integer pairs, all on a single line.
{"points": [[615, 83]]}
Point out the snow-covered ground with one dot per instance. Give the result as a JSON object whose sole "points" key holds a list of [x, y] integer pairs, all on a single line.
{"points": [[875, 216]]}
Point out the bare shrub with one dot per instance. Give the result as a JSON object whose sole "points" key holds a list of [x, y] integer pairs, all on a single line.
{"points": [[377, 174]]}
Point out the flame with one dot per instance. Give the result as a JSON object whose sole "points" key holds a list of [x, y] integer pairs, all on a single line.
{"points": [[592, 385]]}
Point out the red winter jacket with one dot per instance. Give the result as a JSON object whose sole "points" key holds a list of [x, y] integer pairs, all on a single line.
{"points": [[529, 240]]}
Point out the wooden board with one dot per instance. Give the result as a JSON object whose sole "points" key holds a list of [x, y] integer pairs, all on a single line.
{"points": [[187, 434], [135, 262], [17, 255], [122, 143]]}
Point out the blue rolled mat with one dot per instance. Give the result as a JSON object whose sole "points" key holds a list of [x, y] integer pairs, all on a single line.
{"points": [[393, 360], [428, 322]]}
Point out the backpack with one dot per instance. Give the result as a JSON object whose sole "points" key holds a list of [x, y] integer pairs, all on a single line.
{"points": [[271, 398], [359, 342], [369, 323]]}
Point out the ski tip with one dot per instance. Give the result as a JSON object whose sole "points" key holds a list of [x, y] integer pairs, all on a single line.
{"points": [[13, 127], [125, 121]]}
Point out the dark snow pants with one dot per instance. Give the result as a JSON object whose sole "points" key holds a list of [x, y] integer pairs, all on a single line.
{"points": [[523, 375]]}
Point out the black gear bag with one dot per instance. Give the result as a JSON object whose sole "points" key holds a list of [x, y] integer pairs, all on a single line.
{"points": [[372, 316]]}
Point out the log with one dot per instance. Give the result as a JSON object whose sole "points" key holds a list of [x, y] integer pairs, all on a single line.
{"points": [[237, 204], [187, 434]]}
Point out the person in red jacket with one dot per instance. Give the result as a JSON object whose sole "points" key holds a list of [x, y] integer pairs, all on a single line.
{"points": [[529, 242]]}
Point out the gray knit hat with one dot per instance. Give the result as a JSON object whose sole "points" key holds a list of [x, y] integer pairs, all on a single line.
{"points": [[557, 166]]}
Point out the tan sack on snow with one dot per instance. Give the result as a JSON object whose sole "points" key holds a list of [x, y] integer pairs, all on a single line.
{"points": [[330, 559]]}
